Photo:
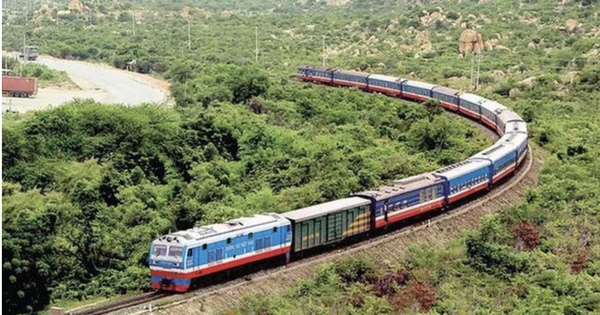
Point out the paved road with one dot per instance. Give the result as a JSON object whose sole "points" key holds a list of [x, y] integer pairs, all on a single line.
{"points": [[100, 82]]}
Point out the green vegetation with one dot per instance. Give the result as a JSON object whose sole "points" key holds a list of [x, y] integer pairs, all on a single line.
{"points": [[87, 186], [45, 75]]}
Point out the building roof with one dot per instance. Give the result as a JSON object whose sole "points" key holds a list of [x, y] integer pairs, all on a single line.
{"points": [[401, 186], [325, 208]]}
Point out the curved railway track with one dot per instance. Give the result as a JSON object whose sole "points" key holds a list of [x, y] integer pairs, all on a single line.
{"points": [[217, 296], [105, 308]]}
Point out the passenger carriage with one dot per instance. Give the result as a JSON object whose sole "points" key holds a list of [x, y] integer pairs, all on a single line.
{"points": [[470, 105], [385, 84], [351, 78], [464, 178], [489, 113], [317, 74], [178, 258], [416, 90], [503, 159], [519, 141], [448, 97], [509, 121], [405, 198]]}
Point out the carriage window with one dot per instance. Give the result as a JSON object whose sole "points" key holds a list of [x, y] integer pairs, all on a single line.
{"points": [[211, 256], [229, 240], [190, 253], [274, 229], [250, 235], [175, 251], [405, 203], [267, 242], [258, 244], [204, 246], [160, 250]]}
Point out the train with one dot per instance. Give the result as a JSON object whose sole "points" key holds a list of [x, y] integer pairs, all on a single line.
{"points": [[178, 259]]}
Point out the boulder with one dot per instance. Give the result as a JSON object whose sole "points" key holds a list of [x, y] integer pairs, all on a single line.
{"points": [[570, 77], [531, 81], [531, 45], [470, 41], [404, 49], [571, 25], [76, 5], [514, 92]]}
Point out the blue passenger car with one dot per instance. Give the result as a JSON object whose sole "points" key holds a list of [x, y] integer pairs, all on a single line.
{"points": [[470, 105], [418, 91], [318, 74], [464, 178], [405, 198], [503, 159], [351, 78], [448, 97]]}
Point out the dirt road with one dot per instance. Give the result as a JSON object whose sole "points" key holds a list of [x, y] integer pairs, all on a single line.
{"points": [[100, 82]]}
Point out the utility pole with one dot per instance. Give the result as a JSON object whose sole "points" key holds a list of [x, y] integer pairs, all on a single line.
{"points": [[256, 44], [478, 66], [189, 35], [323, 49], [26, 11], [472, 65], [25, 53]]}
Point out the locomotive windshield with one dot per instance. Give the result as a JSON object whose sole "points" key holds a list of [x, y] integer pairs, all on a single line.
{"points": [[175, 251], [160, 250]]}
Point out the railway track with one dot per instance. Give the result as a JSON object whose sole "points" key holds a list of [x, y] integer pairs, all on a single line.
{"points": [[166, 301], [109, 307], [230, 293]]}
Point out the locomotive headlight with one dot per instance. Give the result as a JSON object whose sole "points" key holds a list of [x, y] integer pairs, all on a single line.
{"points": [[154, 262], [177, 265]]}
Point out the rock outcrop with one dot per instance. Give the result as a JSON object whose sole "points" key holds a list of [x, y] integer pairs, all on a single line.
{"points": [[76, 5], [470, 42], [571, 25]]}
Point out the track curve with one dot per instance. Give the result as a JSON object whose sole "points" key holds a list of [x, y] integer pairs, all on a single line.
{"points": [[462, 208], [436, 232]]}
